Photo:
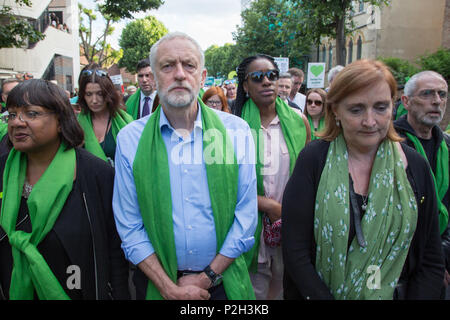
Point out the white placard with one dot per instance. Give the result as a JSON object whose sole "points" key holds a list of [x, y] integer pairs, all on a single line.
{"points": [[316, 75], [283, 64], [117, 79]]}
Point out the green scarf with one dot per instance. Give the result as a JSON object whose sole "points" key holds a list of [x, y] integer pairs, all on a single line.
{"points": [[120, 120], [388, 225], [440, 179], [311, 124], [30, 270], [400, 111], [152, 180], [294, 132], [133, 103], [3, 129]]}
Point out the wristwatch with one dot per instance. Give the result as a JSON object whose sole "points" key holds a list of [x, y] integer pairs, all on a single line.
{"points": [[216, 278]]}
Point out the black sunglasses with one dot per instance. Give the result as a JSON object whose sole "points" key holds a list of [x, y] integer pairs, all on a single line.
{"points": [[316, 102], [258, 76], [100, 73]]}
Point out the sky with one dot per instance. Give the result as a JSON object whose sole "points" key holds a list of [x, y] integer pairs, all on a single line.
{"points": [[207, 21]]}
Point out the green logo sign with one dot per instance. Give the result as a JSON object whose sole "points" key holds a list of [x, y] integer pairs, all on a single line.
{"points": [[316, 70]]}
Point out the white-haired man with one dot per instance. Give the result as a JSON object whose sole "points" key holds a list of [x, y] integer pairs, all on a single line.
{"points": [[425, 99], [185, 198]]}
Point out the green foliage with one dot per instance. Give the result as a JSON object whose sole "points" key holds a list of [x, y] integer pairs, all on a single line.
{"points": [[219, 61], [97, 50], [438, 61], [401, 69], [124, 8], [271, 27], [14, 31], [137, 39]]}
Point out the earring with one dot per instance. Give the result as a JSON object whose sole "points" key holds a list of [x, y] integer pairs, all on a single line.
{"points": [[246, 94], [338, 123]]}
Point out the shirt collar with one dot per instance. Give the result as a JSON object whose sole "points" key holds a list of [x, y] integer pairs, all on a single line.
{"points": [[164, 122]]}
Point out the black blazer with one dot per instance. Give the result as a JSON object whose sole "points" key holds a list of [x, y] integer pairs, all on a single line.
{"points": [[84, 235]]}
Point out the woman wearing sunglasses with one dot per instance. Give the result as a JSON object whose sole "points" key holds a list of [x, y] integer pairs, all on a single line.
{"points": [[280, 133], [57, 233], [360, 217], [101, 116], [315, 110]]}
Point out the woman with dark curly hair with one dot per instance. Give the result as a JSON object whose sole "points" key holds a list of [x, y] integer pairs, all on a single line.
{"points": [[101, 117]]}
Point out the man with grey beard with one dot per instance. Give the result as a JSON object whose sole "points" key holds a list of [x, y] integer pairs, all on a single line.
{"points": [[185, 200], [425, 99]]}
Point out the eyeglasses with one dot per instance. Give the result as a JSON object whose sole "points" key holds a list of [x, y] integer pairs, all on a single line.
{"points": [[24, 116], [214, 103], [258, 76], [428, 94], [227, 82], [100, 73], [316, 102]]}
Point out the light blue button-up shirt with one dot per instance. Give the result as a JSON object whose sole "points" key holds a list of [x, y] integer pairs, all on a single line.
{"points": [[193, 220]]}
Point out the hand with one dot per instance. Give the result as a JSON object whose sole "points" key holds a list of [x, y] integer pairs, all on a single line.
{"points": [[271, 207], [200, 280], [189, 292]]}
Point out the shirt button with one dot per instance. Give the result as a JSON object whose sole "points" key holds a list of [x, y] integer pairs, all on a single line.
{"points": [[190, 251], [189, 227], [185, 171]]}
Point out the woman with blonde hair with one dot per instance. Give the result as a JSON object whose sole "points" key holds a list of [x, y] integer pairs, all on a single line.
{"points": [[359, 211]]}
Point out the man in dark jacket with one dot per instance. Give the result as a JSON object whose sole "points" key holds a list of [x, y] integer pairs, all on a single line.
{"points": [[425, 99]]}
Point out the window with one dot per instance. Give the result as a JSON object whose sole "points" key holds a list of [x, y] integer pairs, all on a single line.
{"points": [[361, 6], [359, 48], [324, 53], [350, 51]]}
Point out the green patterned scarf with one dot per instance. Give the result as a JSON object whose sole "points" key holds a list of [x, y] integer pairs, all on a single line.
{"points": [[120, 120], [319, 128], [31, 272], [152, 180], [440, 179], [294, 132], [388, 225]]}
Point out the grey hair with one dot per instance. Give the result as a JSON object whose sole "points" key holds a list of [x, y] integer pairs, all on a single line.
{"points": [[333, 72], [171, 36], [285, 75], [411, 84]]}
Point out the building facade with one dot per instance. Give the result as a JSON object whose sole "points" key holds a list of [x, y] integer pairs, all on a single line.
{"points": [[57, 57], [405, 29]]}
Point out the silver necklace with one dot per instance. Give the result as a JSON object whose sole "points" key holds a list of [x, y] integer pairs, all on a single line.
{"points": [[27, 188], [364, 205]]}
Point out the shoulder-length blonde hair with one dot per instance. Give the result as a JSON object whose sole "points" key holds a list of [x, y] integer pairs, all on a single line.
{"points": [[356, 76]]}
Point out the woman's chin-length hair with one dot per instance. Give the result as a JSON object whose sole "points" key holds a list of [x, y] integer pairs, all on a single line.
{"points": [[358, 75], [45, 94]]}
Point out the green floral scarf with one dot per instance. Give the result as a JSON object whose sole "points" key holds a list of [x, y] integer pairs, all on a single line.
{"points": [[370, 272], [440, 179], [30, 270], [120, 120], [152, 180], [294, 132]]}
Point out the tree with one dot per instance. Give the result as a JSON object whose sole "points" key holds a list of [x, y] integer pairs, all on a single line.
{"points": [[137, 39], [401, 69], [97, 50], [271, 27], [328, 18], [438, 61], [125, 8], [15, 31], [219, 61]]}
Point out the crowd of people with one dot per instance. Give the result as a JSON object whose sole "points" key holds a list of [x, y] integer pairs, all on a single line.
{"points": [[249, 190]]}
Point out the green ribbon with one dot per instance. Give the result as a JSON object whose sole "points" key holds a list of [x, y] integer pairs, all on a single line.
{"points": [[388, 225], [31, 272], [133, 103], [151, 164], [319, 128], [440, 179], [120, 120], [294, 132]]}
